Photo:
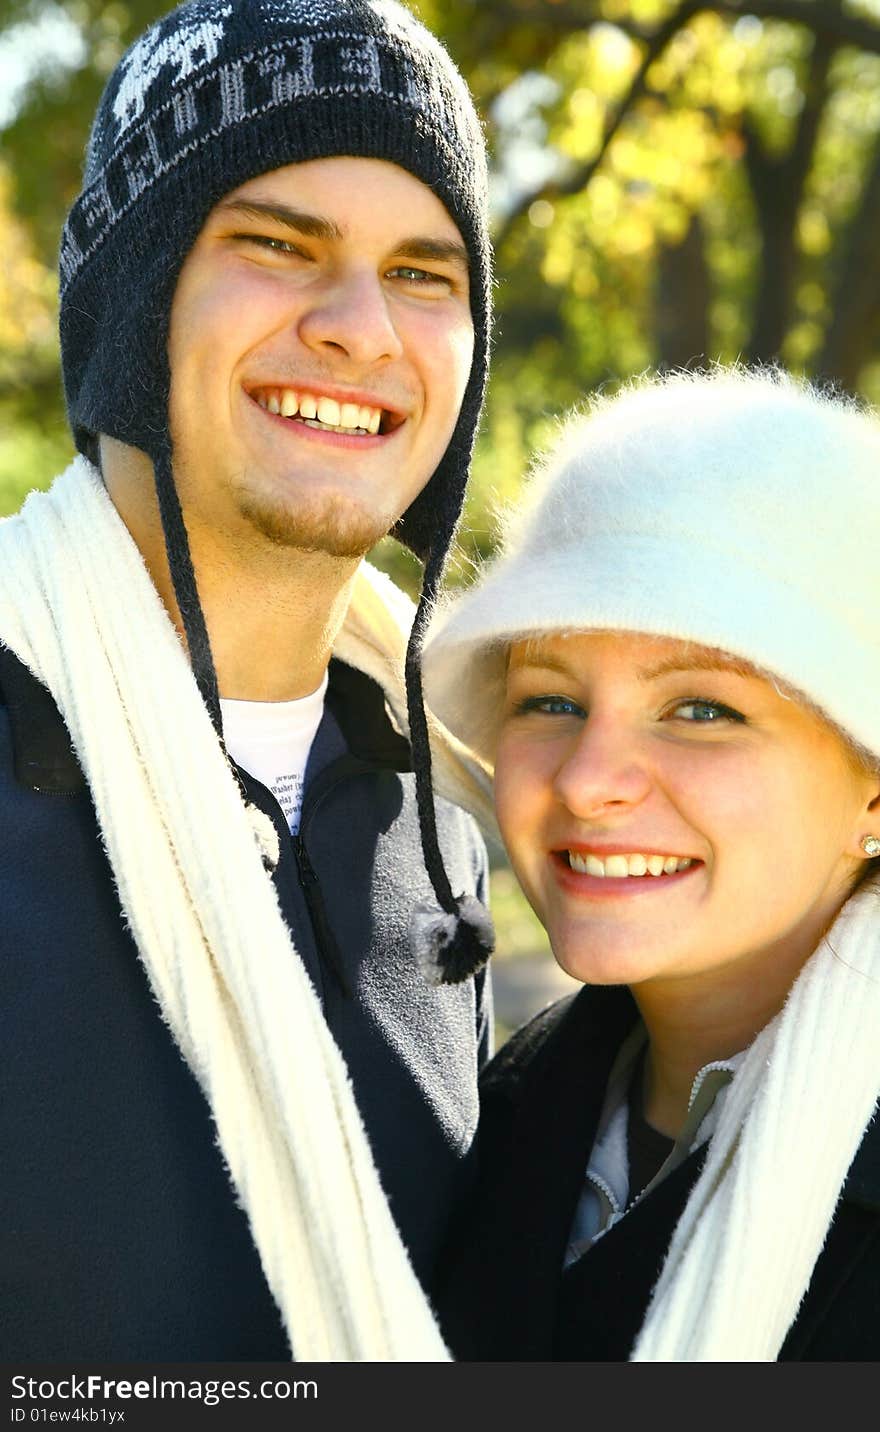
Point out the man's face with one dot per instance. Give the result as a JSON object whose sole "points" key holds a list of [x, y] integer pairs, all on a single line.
{"points": [[320, 344]]}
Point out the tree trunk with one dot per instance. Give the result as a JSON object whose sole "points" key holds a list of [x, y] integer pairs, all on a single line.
{"points": [[778, 187], [682, 299], [854, 331]]}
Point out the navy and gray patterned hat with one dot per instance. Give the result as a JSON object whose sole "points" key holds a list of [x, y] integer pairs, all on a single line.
{"points": [[213, 94]]}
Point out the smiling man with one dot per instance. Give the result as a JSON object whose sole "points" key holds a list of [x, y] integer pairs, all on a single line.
{"points": [[244, 1004], [364, 263]]}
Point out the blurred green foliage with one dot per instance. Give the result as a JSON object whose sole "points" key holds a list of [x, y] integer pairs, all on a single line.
{"points": [[672, 182], [518, 928]]}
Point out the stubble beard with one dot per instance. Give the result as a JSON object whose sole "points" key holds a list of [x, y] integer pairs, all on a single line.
{"points": [[325, 523], [308, 519]]}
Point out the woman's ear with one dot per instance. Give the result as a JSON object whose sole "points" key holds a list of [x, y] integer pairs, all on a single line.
{"points": [[869, 834]]}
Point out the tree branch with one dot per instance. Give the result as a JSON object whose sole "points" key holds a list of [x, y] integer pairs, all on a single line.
{"points": [[581, 176], [825, 20]]}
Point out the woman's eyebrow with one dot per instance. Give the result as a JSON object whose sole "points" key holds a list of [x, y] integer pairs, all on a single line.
{"points": [[705, 660], [699, 661], [538, 662]]}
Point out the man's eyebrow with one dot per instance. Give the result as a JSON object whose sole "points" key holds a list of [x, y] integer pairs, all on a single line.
{"points": [[441, 250], [313, 226]]}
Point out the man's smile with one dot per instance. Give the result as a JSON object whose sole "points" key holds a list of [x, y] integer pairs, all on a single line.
{"points": [[315, 409]]}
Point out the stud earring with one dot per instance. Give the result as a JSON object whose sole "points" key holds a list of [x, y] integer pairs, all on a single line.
{"points": [[871, 845]]}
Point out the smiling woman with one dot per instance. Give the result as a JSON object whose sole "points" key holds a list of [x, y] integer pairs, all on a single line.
{"points": [[682, 715], [642, 784]]}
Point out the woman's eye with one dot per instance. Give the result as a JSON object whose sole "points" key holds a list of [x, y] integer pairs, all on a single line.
{"points": [[705, 713], [549, 706]]}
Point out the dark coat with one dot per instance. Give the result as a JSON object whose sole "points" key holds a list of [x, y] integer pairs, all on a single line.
{"points": [[120, 1236], [502, 1294]]}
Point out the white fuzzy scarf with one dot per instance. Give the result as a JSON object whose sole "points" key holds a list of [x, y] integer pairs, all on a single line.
{"points": [[743, 1252], [78, 607]]}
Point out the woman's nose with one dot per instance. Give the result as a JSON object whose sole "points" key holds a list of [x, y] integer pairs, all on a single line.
{"points": [[603, 771], [351, 315]]}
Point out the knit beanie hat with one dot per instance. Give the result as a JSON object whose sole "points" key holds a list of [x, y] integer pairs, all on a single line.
{"points": [[211, 95], [738, 509]]}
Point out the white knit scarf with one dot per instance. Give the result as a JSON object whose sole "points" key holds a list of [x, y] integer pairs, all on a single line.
{"points": [[78, 607], [743, 1252]]}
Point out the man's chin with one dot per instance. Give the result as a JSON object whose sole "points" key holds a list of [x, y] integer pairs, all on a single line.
{"points": [[333, 526]]}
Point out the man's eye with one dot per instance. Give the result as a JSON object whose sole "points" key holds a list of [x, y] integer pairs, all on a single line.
{"points": [[270, 241], [419, 276], [705, 713], [549, 706]]}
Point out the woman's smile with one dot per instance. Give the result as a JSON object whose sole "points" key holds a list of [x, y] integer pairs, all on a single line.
{"points": [[619, 874]]}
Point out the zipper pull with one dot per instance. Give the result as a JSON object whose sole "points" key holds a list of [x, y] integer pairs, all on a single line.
{"points": [[327, 944]]}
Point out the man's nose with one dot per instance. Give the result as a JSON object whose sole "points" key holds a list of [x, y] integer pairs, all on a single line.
{"points": [[602, 772], [351, 315]]}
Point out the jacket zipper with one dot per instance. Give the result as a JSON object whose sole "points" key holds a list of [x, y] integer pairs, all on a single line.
{"points": [[326, 940]]}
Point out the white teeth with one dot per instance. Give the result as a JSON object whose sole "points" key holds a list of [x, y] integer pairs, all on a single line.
{"points": [[617, 867], [345, 417], [328, 412]]}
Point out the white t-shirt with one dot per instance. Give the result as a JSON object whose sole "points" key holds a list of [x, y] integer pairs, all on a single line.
{"points": [[271, 740]]}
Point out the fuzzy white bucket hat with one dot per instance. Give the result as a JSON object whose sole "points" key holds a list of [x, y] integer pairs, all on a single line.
{"points": [[735, 508]]}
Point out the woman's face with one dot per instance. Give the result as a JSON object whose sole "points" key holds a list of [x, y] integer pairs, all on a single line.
{"points": [[669, 813]]}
